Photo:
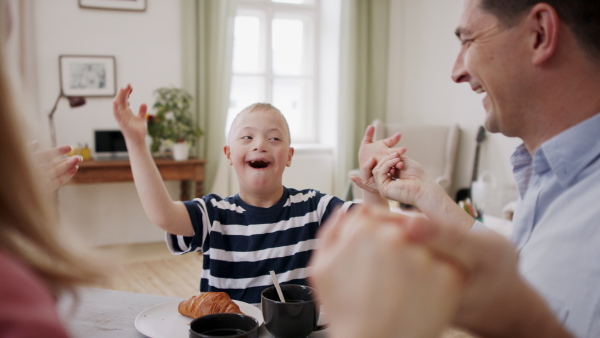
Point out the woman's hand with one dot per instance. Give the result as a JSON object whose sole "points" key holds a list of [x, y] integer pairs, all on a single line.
{"points": [[56, 168]]}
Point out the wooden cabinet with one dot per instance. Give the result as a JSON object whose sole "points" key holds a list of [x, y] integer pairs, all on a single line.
{"points": [[192, 170]]}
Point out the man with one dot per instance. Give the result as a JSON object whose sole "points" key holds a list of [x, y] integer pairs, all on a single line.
{"points": [[538, 65]]}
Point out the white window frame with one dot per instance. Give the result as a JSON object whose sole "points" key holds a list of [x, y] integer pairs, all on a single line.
{"points": [[267, 11]]}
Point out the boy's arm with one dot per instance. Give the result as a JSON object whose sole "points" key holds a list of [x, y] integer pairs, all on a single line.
{"points": [[161, 209]]}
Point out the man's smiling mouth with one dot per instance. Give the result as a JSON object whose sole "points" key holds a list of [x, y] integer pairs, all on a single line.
{"points": [[258, 164]]}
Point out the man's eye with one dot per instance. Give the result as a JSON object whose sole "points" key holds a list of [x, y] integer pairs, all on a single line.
{"points": [[466, 42]]}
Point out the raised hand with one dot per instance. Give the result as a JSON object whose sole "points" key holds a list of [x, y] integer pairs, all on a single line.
{"points": [[132, 126], [370, 153], [56, 168], [376, 149]]}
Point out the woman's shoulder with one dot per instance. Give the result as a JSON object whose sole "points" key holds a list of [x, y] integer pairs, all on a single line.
{"points": [[19, 278], [28, 306]]}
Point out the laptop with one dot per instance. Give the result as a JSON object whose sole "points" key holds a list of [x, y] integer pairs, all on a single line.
{"points": [[109, 145]]}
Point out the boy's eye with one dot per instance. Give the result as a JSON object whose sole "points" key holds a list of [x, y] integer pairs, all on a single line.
{"points": [[246, 137], [276, 139]]}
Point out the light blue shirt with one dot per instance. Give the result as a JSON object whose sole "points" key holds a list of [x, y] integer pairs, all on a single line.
{"points": [[557, 224]]}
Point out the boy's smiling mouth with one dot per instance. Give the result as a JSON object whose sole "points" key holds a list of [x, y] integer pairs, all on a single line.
{"points": [[258, 164]]}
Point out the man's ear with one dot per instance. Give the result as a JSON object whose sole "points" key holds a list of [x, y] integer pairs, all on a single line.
{"points": [[227, 152], [544, 23], [290, 155]]}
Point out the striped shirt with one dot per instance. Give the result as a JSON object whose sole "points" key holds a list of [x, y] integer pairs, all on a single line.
{"points": [[242, 243]]}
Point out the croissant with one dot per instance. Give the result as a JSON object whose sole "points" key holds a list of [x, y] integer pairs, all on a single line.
{"points": [[208, 303]]}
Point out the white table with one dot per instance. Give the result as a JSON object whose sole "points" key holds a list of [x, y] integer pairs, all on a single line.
{"points": [[107, 313]]}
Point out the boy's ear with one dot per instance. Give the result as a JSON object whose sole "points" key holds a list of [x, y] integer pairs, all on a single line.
{"points": [[227, 152], [290, 155], [544, 26]]}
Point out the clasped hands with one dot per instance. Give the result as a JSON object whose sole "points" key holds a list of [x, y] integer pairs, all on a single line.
{"points": [[389, 172], [378, 270]]}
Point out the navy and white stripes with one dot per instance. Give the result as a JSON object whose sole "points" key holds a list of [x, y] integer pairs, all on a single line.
{"points": [[242, 243]]}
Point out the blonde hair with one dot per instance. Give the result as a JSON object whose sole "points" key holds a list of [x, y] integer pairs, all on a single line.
{"points": [[29, 227], [266, 107]]}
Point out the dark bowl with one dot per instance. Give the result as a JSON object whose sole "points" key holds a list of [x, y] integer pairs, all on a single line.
{"points": [[232, 325]]}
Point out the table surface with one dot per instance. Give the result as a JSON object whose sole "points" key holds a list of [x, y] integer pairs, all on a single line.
{"points": [[108, 313]]}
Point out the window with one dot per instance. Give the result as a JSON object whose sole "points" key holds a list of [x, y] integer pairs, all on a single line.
{"points": [[274, 60]]}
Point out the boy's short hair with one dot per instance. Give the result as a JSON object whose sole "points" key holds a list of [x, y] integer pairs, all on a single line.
{"points": [[263, 106]]}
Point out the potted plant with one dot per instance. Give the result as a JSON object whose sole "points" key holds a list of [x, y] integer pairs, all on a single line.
{"points": [[172, 121]]}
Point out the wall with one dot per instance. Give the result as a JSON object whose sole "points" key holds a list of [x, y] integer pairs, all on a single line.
{"points": [[147, 48], [423, 49]]}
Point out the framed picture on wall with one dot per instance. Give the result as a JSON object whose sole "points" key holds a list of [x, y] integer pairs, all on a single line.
{"points": [[87, 75], [126, 5]]}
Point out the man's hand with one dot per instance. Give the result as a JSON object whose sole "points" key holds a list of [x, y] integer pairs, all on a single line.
{"points": [[401, 178], [497, 301]]}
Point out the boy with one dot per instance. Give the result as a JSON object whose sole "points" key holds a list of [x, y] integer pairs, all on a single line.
{"points": [[266, 226]]}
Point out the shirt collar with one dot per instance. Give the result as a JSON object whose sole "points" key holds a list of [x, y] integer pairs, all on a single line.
{"points": [[521, 162], [569, 152], [520, 157]]}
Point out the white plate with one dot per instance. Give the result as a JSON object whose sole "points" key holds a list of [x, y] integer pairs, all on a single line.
{"points": [[164, 321]]}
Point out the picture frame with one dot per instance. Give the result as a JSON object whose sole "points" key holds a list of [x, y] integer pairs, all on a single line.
{"points": [[87, 75], [123, 5]]}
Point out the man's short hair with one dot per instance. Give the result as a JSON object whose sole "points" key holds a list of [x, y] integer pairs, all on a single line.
{"points": [[582, 17]]}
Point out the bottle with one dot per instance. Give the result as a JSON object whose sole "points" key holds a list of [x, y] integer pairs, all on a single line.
{"points": [[85, 153]]}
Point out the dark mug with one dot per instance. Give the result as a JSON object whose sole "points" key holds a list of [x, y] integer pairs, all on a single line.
{"points": [[232, 325], [297, 317]]}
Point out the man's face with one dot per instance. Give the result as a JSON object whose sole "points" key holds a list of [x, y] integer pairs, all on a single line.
{"points": [[491, 60], [259, 150]]}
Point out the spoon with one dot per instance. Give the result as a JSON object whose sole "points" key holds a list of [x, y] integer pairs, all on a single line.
{"points": [[274, 277]]}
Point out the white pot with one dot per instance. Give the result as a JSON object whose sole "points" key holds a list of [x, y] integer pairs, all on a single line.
{"points": [[181, 151]]}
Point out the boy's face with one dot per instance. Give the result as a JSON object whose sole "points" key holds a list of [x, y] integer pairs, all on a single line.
{"points": [[259, 150]]}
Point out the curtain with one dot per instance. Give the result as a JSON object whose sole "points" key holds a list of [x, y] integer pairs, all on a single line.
{"points": [[207, 42], [19, 51], [363, 79]]}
